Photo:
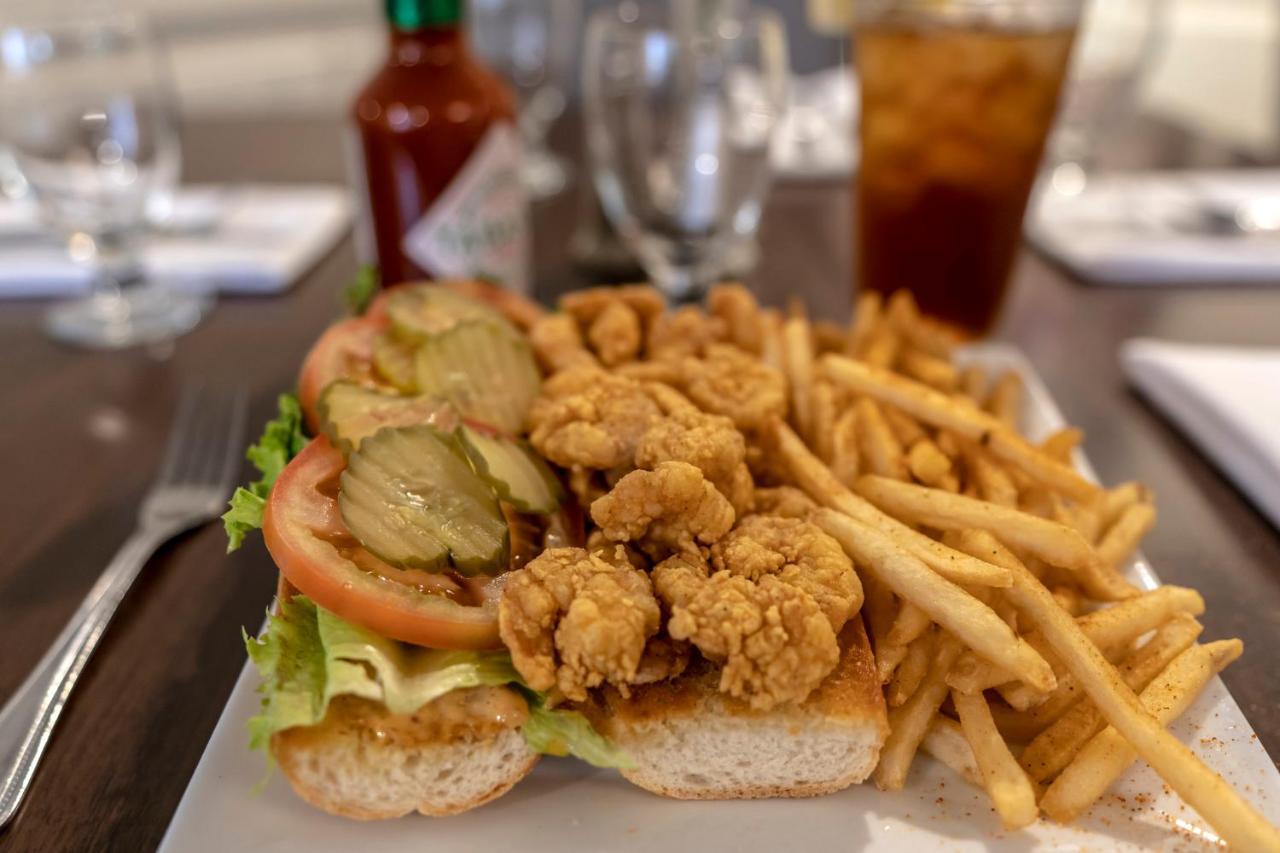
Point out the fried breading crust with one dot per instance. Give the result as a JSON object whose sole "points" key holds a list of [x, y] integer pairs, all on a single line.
{"points": [[797, 553], [670, 509], [591, 419], [773, 640], [728, 381], [574, 621]]}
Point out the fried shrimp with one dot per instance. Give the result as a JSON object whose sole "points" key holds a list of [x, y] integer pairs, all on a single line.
{"points": [[799, 554], [784, 502], [710, 443], [616, 334], [670, 509], [728, 381], [772, 639], [558, 343], [574, 621], [591, 419]]}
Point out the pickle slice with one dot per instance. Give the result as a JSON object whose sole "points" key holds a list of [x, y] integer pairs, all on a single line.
{"points": [[420, 311], [350, 412], [484, 370], [513, 469], [393, 360], [410, 497]]}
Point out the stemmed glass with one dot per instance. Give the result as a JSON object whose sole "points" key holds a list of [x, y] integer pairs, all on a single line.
{"points": [[680, 110], [531, 43], [85, 114]]}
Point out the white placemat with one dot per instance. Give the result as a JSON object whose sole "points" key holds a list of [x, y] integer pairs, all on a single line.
{"points": [[256, 239], [1226, 400], [1162, 228]]}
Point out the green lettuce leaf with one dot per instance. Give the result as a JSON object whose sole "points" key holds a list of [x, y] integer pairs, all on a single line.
{"points": [[307, 655], [282, 439], [555, 731], [360, 292]]}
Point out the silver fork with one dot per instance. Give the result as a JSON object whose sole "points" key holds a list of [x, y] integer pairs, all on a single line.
{"points": [[200, 464]]}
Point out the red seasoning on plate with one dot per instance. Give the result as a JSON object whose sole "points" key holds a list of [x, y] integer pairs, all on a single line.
{"points": [[440, 155]]}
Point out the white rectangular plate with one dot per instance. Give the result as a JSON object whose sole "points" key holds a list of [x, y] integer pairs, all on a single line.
{"points": [[566, 805]]}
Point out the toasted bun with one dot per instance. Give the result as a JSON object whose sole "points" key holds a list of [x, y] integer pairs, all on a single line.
{"points": [[366, 764], [691, 742]]}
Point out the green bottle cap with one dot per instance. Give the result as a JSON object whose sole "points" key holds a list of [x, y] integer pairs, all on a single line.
{"points": [[417, 14]]}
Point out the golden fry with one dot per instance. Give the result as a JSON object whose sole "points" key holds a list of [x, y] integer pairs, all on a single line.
{"points": [[797, 342], [846, 461], [1231, 816], [973, 382], [932, 371], [866, 316], [1053, 542], [909, 721], [1062, 443], [1114, 502], [1107, 755], [941, 411], [1121, 540], [945, 741], [878, 447], [927, 463], [911, 672], [824, 416], [1005, 401], [972, 622], [816, 479], [905, 427], [1053, 748], [1010, 790]]}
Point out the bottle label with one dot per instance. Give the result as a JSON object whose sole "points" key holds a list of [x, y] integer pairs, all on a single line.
{"points": [[479, 225]]}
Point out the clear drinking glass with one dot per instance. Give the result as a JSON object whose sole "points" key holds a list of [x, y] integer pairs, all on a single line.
{"points": [[680, 110], [532, 44], [85, 114]]}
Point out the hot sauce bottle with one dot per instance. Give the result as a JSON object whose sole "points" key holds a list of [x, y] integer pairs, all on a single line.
{"points": [[440, 154]]}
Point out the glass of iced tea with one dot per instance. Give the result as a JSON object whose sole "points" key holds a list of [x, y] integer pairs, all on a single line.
{"points": [[957, 99]]}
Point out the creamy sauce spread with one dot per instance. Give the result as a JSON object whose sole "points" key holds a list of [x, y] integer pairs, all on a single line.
{"points": [[473, 713]]}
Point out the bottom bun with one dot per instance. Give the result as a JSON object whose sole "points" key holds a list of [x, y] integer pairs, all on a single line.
{"points": [[364, 763], [691, 742]]}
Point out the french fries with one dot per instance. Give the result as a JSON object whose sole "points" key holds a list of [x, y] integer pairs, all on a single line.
{"points": [[1009, 788], [1053, 748], [1053, 542], [817, 480], [1106, 756], [945, 741], [972, 622], [990, 565], [909, 722]]}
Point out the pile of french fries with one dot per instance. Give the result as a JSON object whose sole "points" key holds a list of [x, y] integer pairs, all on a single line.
{"points": [[1010, 645]]}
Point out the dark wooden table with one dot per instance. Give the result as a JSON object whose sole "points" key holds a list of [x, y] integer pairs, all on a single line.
{"points": [[81, 434]]}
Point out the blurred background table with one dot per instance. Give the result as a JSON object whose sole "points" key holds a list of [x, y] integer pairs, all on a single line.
{"points": [[82, 433]]}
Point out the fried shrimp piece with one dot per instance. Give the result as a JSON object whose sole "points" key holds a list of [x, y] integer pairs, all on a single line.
{"points": [[710, 443], [558, 343], [772, 639], [575, 621], [615, 334], [784, 502], [591, 419], [683, 332], [728, 381], [740, 311], [796, 552], [663, 658], [586, 305], [670, 509]]}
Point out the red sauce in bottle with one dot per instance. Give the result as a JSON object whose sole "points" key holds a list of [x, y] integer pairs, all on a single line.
{"points": [[440, 155]]}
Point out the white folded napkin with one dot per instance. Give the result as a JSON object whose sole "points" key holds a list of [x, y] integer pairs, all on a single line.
{"points": [[256, 239], [1226, 400], [1162, 227]]}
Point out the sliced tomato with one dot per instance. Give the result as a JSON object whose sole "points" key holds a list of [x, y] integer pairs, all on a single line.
{"points": [[344, 351], [314, 550]]}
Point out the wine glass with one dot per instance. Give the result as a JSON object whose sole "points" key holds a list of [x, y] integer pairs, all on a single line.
{"points": [[85, 115], [681, 106], [532, 44]]}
